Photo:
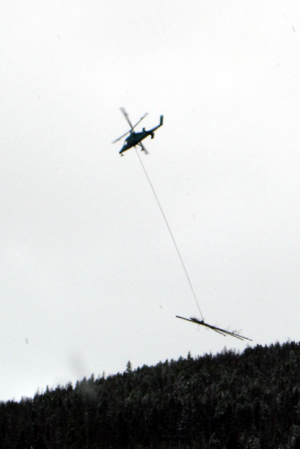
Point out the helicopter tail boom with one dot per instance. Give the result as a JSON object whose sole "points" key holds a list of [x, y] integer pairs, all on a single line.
{"points": [[151, 131]]}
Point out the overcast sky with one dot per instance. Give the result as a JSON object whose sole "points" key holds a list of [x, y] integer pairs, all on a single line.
{"points": [[90, 278]]}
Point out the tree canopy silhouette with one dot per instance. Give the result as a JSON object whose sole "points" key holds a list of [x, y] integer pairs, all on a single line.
{"points": [[230, 400]]}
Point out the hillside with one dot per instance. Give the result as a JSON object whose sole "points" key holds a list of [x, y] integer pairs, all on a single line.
{"points": [[230, 400]]}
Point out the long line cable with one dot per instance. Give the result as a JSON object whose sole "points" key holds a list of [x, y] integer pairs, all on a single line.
{"points": [[171, 234]]}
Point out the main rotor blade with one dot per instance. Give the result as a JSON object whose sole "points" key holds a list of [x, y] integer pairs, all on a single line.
{"points": [[143, 148], [140, 120], [123, 110], [117, 140], [126, 117]]}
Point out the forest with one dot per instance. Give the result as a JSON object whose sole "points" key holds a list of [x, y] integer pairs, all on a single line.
{"points": [[230, 400]]}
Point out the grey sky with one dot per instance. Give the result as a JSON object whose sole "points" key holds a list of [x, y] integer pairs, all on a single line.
{"points": [[89, 276]]}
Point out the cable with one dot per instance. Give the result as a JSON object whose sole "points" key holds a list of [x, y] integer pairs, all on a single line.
{"points": [[171, 234]]}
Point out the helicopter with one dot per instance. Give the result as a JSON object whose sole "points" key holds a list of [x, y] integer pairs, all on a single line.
{"points": [[136, 138]]}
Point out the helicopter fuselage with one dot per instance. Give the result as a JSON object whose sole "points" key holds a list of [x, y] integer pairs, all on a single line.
{"points": [[135, 138]]}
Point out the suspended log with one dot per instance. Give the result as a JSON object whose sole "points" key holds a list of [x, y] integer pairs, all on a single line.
{"points": [[214, 328]]}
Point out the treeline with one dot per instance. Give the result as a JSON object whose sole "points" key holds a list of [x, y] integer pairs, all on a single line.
{"points": [[231, 400]]}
